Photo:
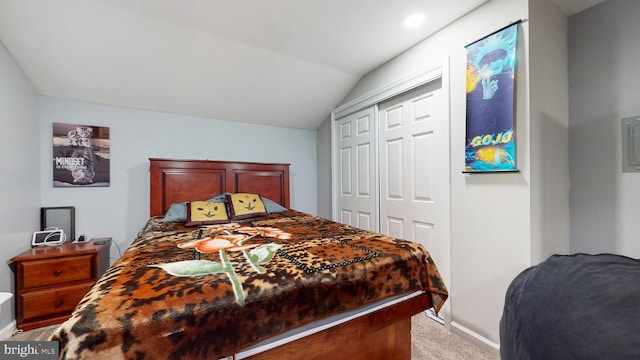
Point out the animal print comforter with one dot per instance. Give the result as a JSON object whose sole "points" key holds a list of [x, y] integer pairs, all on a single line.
{"points": [[208, 292]]}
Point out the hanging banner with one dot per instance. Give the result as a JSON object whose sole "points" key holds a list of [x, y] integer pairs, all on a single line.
{"points": [[490, 134], [80, 155]]}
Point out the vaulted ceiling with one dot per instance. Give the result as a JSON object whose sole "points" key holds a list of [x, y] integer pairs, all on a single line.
{"points": [[278, 62]]}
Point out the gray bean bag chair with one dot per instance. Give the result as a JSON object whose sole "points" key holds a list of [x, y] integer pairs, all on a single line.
{"points": [[573, 307]]}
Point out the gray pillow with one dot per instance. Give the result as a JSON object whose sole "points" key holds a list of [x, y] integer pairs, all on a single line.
{"points": [[178, 211], [272, 206]]}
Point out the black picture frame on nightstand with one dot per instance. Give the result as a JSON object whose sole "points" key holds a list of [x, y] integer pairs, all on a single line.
{"points": [[59, 217]]}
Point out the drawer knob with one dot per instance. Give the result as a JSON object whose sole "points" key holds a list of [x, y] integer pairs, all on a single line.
{"points": [[58, 272], [58, 303]]}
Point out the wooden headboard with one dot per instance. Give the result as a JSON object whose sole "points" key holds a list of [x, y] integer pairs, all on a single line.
{"points": [[174, 181]]}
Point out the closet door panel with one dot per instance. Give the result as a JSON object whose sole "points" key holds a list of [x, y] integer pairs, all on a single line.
{"points": [[345, 172], [357, 177], [394, 165], [412, 165], [364, 166], [423, 171], [394, 161], [395, 227]]}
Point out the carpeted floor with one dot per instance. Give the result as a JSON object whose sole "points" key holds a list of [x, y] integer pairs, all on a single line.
{"points": [[33, 335], [432, 341], [429, 341]]}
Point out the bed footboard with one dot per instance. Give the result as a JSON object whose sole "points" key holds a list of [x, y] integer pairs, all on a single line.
{"points": [[382, 334]]}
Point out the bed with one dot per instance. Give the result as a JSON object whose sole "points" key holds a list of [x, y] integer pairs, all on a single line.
{"points": [[281, 284], [578, 306]]}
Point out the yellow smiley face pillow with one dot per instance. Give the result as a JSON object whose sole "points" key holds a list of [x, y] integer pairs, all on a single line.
{"points": [[206, 213], [243, 206]]}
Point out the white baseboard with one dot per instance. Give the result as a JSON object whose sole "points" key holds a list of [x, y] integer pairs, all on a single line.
{"points": [[475, 338], [8, 330]]}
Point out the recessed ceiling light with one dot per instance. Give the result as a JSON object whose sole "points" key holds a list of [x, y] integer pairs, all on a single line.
{"points": [[414, 20]]}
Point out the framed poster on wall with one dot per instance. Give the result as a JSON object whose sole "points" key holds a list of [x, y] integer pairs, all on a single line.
{"points": [[80, 155], [490, 139]]}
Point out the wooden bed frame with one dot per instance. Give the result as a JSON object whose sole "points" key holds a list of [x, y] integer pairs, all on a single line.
{"points": [[174, 181], [382, 334]]}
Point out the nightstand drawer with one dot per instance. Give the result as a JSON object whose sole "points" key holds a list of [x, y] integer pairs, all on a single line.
{"points": [[51, 280], [46, 302], [64, 270]]}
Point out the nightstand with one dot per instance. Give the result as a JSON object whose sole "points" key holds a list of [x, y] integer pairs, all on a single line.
{"points": [[51, 280]]}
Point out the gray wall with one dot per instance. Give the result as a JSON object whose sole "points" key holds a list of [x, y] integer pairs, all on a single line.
{"points": [[120, 210], [20, 170], [549, 129], [604, 77], [323, 158]]}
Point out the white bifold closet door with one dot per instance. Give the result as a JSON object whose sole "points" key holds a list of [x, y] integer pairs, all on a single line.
{"points": [[414, 167], [391, 166], [355, 143]]}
